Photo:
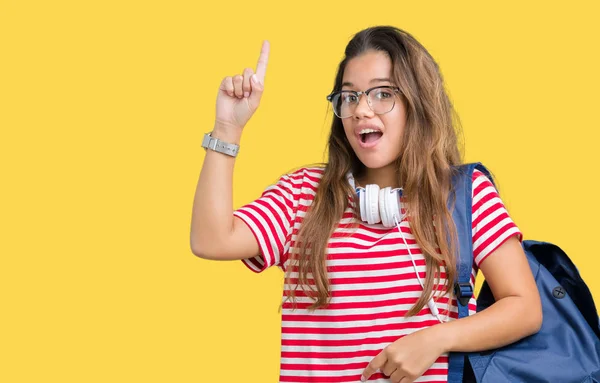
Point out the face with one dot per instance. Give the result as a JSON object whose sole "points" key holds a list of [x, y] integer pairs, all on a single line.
{"points": [[371, 69]]}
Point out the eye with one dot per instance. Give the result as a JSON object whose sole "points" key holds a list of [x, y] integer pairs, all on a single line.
{"points": [[384, 94], [349, 98]]}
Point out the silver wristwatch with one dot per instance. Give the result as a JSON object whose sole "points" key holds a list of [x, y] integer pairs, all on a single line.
{"points": [[217, 145]]}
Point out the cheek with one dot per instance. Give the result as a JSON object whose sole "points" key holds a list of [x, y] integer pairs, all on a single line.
{"points": [[395, 124], [348, 130], [398, 115]]}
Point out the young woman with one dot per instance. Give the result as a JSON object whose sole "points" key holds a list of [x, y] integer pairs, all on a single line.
{"points": [[369, 297]]}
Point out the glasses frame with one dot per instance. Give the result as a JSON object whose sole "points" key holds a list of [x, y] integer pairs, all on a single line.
{"points": [[366, 92]]}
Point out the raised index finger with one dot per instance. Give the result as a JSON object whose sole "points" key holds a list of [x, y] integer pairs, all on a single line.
{"points": [[263, 59]]}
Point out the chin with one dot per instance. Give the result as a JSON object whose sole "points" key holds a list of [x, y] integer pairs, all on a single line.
{"points": [[375, 161]]}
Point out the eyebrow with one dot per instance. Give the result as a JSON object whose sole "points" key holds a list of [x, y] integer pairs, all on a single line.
{"points": [[372, 81]]}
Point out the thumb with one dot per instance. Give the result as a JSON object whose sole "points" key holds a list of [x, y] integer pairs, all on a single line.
{"points": [[257, 91]]}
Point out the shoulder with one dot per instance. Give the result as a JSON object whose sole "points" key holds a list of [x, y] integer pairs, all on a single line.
{"points": [[480, 177], [307, 172], [306, 177], [482, 183]]}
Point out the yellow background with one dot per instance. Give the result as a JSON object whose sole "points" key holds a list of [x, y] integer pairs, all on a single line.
{"points": [[103, 107]]}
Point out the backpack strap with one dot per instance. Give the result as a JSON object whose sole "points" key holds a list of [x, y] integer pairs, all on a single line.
{"points": [[462, 216]]}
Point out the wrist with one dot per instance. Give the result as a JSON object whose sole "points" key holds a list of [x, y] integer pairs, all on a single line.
{"points": [[226, 133], [442, 336]]}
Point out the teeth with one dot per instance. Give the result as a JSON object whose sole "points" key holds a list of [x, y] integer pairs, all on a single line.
{"points": [[364, 131]]}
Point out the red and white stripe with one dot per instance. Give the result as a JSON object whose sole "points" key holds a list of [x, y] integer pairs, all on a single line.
{"points": [[373, 283]]}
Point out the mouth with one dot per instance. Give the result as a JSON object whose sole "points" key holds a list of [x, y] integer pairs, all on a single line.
{"points": [[369, 140]]}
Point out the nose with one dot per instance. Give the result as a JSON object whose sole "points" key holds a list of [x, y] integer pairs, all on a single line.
{"points": [[363, 109]]}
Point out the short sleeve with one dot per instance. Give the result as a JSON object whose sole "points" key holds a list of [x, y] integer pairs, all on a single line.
{"points": [[492, 225], [270, 218]]}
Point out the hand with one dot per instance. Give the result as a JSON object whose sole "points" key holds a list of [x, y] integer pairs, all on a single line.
{"points": [[239, 95], [407, 358]]}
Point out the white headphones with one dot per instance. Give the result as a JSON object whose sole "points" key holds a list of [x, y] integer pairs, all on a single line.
{"points": [[383, 205], [378, 205]]}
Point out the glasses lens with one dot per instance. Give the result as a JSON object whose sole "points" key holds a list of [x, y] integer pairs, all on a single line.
{"points": [[382, 100], [344, 104]]}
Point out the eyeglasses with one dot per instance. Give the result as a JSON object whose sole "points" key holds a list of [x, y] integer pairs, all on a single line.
{"points": [[381, 100]]}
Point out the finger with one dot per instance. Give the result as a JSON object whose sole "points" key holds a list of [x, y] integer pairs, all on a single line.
{"points": [[237, 86], [256, 93], [399, 376], [246, 83], [389, 368], [263, 59], [373, 366], [227, 85]]}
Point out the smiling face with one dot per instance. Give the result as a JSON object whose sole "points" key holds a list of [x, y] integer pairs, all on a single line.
{"points": [[371, 69]]}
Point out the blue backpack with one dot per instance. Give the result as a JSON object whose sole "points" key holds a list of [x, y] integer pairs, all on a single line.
{"points": [[567, 347]]}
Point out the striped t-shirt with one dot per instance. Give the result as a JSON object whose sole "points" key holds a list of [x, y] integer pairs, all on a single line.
{"points": [[372, 281]]}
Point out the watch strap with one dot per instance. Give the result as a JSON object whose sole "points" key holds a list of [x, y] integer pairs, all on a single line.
{"points": [[217, 145]]}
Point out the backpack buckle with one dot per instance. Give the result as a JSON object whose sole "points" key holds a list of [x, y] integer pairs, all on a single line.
{"points": [[463, 292]]}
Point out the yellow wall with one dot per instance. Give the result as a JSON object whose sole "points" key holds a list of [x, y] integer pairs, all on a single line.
{"points": [[103, 106]]}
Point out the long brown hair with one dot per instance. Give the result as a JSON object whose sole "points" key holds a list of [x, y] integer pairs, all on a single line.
{"points": [[429, 150]]}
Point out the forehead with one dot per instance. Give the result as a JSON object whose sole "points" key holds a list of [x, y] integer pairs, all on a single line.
{"points": [[361, 70]]}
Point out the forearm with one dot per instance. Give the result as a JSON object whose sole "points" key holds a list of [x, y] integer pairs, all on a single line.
{"points": [[506, 321], [212, 214]]}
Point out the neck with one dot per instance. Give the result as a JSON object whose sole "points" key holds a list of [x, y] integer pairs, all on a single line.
{"points": [[384, 177]]}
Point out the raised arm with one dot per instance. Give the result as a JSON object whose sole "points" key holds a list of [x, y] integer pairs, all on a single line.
{"points": [[215, 232]]}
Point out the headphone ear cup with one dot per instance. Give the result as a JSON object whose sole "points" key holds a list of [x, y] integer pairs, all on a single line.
{"points": [[362, 202], [393, 206], [372, 203], [383, 210], [389, 206]]}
